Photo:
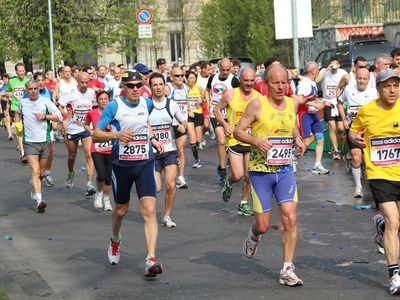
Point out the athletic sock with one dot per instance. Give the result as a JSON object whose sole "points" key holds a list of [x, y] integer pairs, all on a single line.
{"points": [[243, 202], [287, 264], [150, 255], [116, 239], [71, 174], [195, 151], [391, 269], [356, 171]]}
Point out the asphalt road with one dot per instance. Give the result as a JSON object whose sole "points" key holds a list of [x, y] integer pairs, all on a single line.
{"points": [[61, 254]]}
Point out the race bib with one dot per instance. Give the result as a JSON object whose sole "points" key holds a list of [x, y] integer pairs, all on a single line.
{"points": [[331, 91], [281, 153], [80, 113], [352, 111], [103, 147], [138, 149], [183, 105], [19, 92], [163, 133], [193, 103], [385, 152]]}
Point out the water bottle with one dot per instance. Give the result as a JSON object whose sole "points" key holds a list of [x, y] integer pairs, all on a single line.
{"points": [[357, 206]]}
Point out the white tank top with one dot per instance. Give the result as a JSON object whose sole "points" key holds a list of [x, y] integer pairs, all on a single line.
{"points": [[180, 96], [329, 84]]}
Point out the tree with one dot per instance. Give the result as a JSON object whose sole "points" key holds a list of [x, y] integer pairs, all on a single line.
{"points": [[240, 28]]}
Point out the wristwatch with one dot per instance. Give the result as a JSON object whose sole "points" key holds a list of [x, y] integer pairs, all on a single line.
{"points": [[154, 138]]}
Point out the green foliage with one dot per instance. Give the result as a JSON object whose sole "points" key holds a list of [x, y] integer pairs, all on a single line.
{"points": [[241, 28], [79, 28]]}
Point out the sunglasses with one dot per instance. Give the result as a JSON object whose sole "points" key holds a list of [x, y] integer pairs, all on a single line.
{"points": [[134, 85], [178, 75], [362, 67], [90, 73]]}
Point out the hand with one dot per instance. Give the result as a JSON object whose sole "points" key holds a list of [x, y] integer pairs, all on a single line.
{"points": [[301, 147], [329, 104], [190, 114], [40, 116], [126, 136], [319, 104], [227, 130], [264, 145], [181, 128], [359, 140], [158, 146], [346, 124]]}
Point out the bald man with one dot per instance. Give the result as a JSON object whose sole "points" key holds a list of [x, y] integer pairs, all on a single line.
{"points": [[355, 96], [273, 133], [74, 106], [217, 86], [235, 102]]}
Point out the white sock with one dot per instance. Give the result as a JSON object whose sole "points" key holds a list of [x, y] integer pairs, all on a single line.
{"points": [[317, 164], [287, 264], [243, 201], [356, 175], [38, 196], [47, 172]]}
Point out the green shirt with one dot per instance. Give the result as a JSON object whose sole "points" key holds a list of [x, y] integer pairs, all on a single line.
{"points": [[17, 87]]}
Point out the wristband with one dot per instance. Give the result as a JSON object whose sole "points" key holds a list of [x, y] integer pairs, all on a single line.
{"points": [[154, 138]]}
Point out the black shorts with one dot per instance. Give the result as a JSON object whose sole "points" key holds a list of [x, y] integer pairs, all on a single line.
{"points": [[328, 117], [165, 159], [239, 149], [198, 120], [12, 114], [216, 124], [4, 104], [177, 133], [384, 190]]}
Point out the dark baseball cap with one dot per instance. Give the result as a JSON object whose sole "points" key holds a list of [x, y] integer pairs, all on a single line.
{"points": [[131, 76], [386, 74], [142, 68]]}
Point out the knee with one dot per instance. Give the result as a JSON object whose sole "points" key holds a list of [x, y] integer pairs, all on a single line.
{"points": [[35, 172], [289, 221], [236, 176], [356, 160], [120, 212], [392, 224], [170, 186], [71, 155], [221, 143], [263, 226], [149, 212]]}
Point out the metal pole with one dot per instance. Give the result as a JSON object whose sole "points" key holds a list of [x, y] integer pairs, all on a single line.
{"points": [[145, 43], [295, 36], [51, 38]]}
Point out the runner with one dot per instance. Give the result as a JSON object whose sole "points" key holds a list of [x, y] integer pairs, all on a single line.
{"points": [[270, 168], [216, 87], [15, 89], [356, 96], [101, 154], [308, 115], [78, 103], [235, 102], [376, 130], [330, 78], [133, 162], [36, 113], [177, 91], [161, 118]]}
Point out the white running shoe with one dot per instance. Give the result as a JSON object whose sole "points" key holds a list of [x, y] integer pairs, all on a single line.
{"points": [[394, 283], [358, 192], [167, 222], [49, 180], [181, 183], [107, 205], [288, 277], [98, 200], [114, 252], [250, 245], [319, 170]]}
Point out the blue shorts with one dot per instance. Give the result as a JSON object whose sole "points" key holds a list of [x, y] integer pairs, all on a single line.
{"points": [[77, 137], [264, 185], [310, 123], [165, 159], [123, 179]]}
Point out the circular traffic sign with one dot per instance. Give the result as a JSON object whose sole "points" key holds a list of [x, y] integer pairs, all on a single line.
{"points": [[144, 16]]}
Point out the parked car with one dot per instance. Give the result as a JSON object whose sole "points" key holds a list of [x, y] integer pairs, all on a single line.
{"points": [[348, 50]]}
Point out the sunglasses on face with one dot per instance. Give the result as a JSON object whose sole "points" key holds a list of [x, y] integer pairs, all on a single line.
{"points": [[362, 67], [134, 85], [178, 75]]}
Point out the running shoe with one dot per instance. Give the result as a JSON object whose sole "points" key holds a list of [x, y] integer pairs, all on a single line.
{"points": [[197, 164], [90, 190], [41, 206], [245, 210], [200, 146], [10, 137], [49, 180], [167, 222], [70, 181], [221, 174], [153, 267], [379, 223], [394, 283], [181, 183], [107, 205], [319, 170], [98, 200], [33, 196], [348, 162], [204, 142], [114, 252], [336, 155], [24, 160], [288, 277], [250, 245], [358, 192], [226, 192], [18, 148]]}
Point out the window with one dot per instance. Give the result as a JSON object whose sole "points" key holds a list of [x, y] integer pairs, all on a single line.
{"points": [[174, 8], [175, 47]]}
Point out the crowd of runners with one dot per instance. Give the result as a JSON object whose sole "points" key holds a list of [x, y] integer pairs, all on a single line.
{"points": [[133, 127]]}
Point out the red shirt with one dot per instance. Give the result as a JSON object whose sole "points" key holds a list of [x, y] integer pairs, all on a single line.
{"points": [[93, 117], [96, 83], [146, 92], [50, 85]]}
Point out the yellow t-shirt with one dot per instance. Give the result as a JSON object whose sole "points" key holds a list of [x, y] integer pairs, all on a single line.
{"points": [[276, 126], [382, 136], [234, 112], [193, 95]]}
